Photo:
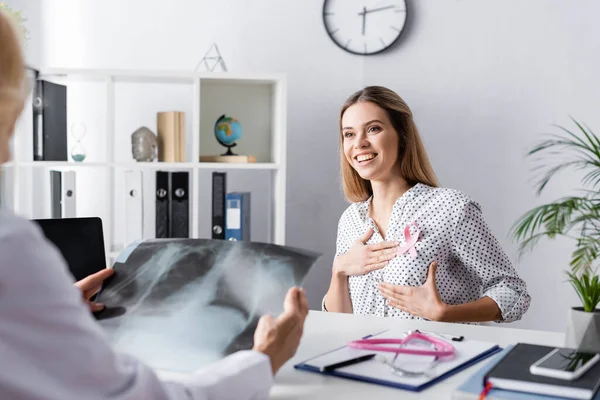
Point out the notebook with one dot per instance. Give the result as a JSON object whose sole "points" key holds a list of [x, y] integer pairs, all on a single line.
{"points": [[512, 373], [473, 386], [468, 352]]}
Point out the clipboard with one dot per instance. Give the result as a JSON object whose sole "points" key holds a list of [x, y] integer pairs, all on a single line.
{"points": [[468, 353]]}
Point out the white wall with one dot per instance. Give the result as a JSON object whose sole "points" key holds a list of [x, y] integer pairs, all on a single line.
{"points": [[484, 78]]}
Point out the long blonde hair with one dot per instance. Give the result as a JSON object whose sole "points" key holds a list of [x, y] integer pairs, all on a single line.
{"points": [[13, 82], [414, 162]]}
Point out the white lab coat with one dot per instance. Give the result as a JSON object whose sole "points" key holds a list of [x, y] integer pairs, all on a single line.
{"points": [[52, 348]]}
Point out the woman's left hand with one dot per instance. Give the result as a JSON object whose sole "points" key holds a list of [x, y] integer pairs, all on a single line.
{"points": [[421, 301]]}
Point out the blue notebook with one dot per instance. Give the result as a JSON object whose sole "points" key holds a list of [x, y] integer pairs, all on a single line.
{"points": [[473, 386], [377, 370]]}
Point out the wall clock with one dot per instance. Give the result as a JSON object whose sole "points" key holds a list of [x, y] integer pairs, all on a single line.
{"points": [[364, 27]]}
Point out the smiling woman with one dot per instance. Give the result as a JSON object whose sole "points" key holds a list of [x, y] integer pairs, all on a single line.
{"points": [[406, 247]]}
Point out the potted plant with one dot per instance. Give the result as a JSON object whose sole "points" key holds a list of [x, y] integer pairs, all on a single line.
{"points": [[575, 217]]}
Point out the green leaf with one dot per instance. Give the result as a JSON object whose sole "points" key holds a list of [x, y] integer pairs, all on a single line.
{"points": [[550, 220], [575, 217], [587, 288]]}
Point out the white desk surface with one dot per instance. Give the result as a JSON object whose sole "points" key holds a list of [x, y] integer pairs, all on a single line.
{"points": [[326, 331]]}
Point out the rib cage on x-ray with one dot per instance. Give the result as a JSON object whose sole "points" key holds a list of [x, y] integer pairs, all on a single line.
{"points": [[179, 304]]}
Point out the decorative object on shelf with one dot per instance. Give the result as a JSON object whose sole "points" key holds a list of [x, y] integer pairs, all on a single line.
{"points": [[170, 128], [575, 217], [78, 131], [228, 131], [211, 60], [366, 30], [18, 17], [144, 145]]}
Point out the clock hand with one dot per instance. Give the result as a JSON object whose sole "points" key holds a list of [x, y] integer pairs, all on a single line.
{"points": [[379, 9], [364, 15], [364, 12]]}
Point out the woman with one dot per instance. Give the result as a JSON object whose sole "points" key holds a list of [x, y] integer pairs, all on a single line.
{"points": [[405, 247], [51, 347]]}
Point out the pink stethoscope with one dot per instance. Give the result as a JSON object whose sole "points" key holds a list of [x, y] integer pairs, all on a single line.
{"points": [[441, 348]]}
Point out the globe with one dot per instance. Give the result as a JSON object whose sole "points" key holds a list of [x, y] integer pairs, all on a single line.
{"points": [[227, 131]]}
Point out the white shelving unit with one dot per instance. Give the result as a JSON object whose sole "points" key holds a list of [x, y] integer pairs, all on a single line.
{"points": [[114, 103]]}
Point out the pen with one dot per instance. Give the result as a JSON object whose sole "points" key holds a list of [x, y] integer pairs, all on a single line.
{"points": [[356, 360], [443, 336]]}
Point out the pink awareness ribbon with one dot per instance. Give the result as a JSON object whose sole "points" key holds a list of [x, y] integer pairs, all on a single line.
{"points": [[410, 240]]}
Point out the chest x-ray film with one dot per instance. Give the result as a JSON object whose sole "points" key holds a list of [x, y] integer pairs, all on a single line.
{"points": [[181, 304]]}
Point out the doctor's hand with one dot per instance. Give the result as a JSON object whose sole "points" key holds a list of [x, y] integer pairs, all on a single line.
{"points": [[279, 337], [363, 258], [421, 301], [91, 284]]}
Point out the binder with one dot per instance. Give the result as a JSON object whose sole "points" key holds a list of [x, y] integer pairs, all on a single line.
{"points": [[219, 189], [49, 121], [63, 194], [237, 218], [162, 205], [468, 352], [134, 207], [172, 204], [179, 205]]}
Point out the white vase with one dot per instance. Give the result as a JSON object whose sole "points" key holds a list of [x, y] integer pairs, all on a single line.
{"points": [[583, 330]]}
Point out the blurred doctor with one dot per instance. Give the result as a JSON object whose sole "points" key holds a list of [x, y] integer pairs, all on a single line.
{"points": [[50, 344]]}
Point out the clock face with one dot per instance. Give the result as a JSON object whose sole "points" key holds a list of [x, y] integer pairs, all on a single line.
{"points": [[364, 27]]}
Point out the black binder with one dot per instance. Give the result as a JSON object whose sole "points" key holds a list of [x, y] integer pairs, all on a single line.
{"points": [[49, 121], [180, 212], [219, 189], [172, 204], [162, 204]]}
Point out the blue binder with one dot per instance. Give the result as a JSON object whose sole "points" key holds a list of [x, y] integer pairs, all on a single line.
{"points": [[237, 220]]}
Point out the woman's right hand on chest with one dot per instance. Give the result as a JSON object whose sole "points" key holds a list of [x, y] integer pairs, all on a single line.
{"points": [[363, 258]]}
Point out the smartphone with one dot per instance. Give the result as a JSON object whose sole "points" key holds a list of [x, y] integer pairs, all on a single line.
{"points": [[565, 364]]}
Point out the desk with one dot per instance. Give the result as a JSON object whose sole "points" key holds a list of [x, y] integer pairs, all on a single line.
{"points": [[325, 331]]}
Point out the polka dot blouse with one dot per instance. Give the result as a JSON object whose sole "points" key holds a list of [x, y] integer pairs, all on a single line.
{"points": [[471, 263]]}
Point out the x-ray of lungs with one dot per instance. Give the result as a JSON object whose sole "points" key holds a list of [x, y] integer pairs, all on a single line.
{"points": [[180, 304]]}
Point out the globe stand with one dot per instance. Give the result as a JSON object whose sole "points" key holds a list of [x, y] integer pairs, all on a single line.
{"points": [[229, 146]]}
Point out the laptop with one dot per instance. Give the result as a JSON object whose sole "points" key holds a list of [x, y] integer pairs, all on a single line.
{"points": [[81, 242]]}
